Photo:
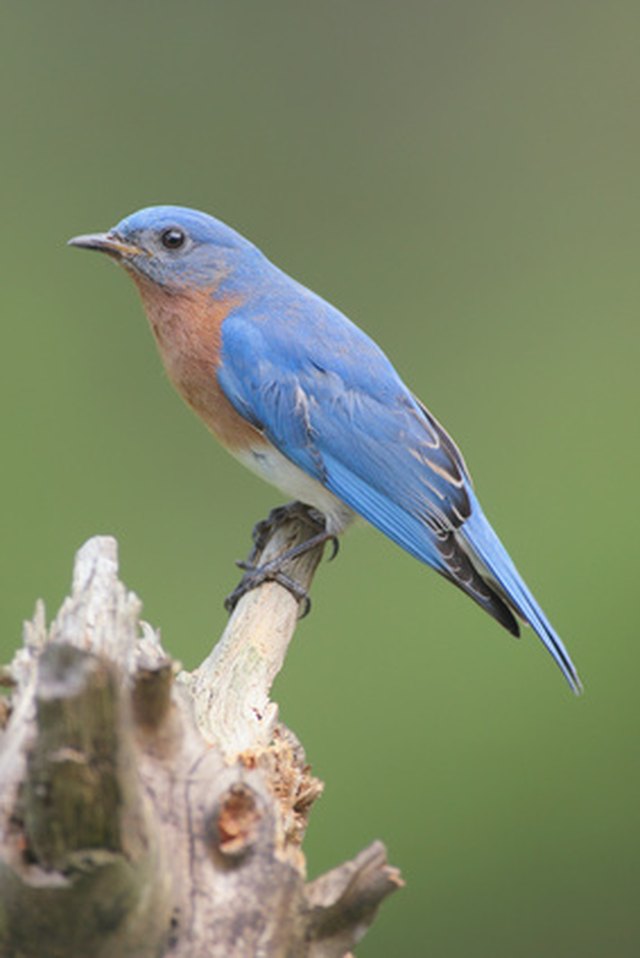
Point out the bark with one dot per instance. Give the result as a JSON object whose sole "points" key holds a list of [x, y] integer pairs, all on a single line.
{"points": [[146, 811]]}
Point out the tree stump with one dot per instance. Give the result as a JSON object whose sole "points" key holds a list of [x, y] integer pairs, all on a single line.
{"points": [[147, 811]]}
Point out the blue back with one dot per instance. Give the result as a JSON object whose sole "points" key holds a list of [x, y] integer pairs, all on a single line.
{"points": [[329, 399]]}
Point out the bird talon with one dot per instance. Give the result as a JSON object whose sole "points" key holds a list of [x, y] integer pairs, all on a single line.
{"points": [[255, 574], [255, 577], [232, 599], [335, 548], [306, 607], [261, 532]]}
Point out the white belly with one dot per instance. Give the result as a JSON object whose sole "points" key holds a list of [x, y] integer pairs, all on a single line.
{"points": [[276, 469]]}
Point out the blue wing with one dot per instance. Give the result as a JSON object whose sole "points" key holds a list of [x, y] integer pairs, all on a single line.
{"points": [[328, 398]]}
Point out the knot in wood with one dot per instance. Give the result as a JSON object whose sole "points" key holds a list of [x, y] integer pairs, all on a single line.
{"points": [[234, 823]]}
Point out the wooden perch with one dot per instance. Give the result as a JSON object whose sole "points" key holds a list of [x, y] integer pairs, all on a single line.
{"points": [[145, 811]]}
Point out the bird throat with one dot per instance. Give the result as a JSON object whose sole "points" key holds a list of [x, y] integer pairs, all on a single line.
{"points": [[187, 329]]}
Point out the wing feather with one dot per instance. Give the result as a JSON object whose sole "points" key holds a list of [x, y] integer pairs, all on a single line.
{"points": [[362, 434], [328, 398]]}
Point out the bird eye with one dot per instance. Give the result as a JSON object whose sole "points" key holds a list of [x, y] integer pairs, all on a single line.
{"points": [[173, 238]]}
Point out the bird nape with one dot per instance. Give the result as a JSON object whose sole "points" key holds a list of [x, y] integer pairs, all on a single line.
{"points": [[308, 401]]}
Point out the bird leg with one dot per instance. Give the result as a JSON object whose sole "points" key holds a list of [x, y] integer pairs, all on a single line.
{"points": [[255, 574]]}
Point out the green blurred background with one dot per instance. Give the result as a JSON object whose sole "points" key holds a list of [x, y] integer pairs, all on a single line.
{"points": [[461, 178]]}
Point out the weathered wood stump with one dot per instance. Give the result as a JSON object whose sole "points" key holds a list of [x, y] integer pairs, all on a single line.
{"points": [[146, 811]]}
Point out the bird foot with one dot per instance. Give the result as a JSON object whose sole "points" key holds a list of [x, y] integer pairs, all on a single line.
{"points": [[255, 575], [263, 530]]}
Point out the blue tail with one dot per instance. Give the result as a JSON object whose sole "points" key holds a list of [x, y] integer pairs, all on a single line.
{"points": [[487, 549]]}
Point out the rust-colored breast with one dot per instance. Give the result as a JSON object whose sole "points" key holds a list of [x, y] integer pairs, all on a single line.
{"points": [[187, 329]]}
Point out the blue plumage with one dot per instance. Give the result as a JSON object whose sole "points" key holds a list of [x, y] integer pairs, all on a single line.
{"points": [[328, 398], [489, 552], [304, 397]]}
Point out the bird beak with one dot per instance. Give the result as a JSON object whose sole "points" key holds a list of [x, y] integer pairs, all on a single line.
{"points": [[105, 243]]}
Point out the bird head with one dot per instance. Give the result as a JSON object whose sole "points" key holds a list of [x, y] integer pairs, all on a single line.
{"points": [[176, 248]]}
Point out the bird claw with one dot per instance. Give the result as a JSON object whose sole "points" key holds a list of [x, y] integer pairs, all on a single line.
{"points": [[263, 530], [335, 547], [255, 575]]}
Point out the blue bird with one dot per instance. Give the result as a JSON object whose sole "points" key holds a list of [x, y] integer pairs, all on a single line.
{"points": [[308, 401]]}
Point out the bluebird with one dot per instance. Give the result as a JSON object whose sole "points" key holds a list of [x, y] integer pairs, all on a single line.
{"points": [[309, 402]]}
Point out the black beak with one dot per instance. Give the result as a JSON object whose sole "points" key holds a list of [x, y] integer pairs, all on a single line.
{"points": [[105, 243]]}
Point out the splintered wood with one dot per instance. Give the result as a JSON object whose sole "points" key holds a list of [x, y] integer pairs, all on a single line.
{"points": [[145, 811]]}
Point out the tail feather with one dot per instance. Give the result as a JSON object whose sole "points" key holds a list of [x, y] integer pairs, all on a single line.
{"points": [[488, 551], [459, 569]]}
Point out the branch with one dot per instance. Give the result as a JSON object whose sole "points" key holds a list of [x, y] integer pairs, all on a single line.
{"points": [[146, 813], [231, 687]]}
